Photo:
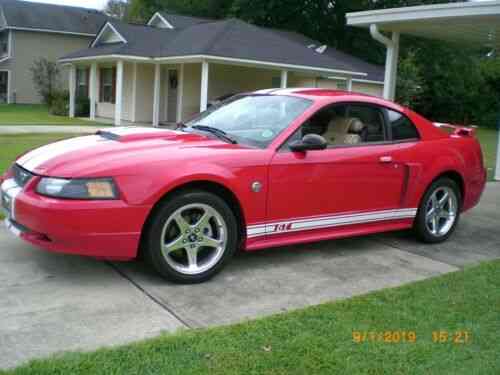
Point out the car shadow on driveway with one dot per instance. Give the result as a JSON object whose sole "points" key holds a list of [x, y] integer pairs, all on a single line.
{"points": [[270, 281]]}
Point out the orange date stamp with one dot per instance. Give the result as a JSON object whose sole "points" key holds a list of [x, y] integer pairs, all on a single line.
{"points": [[402, 336], [384, 336]]}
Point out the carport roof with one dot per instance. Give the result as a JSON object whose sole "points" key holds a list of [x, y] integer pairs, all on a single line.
{"points": [[476, 24]]}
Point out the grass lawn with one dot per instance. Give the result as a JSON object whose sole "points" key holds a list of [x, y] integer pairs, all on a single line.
{"points": [[489, 140], [12, 146], [319, 340], [22, 114]]}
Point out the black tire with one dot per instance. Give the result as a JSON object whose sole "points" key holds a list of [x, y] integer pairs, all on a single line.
{"points": [[152, 248], [420, 226]]}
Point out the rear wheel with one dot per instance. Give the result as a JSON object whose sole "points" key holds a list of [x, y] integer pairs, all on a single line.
{"points": [[439, 211], [191, 237]]}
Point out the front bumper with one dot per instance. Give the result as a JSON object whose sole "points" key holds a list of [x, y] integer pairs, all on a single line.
{"points": [[101, 229]]}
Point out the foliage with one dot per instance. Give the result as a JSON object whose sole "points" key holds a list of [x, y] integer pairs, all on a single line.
{"points": [[46, 78], [59, 105], [411, 83], [142, 10], [117, 9]]}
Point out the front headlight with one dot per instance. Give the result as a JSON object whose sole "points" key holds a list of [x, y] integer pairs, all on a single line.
{"points": [[100, 188]]}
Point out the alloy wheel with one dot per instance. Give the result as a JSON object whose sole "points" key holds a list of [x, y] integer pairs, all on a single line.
{"points": [[194, 239], [441, 211]]}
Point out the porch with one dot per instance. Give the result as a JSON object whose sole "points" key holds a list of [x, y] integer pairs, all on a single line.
{"points": [[131, 91]]}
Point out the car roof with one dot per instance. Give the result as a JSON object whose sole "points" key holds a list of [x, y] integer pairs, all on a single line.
{"points": [[333, 96]]}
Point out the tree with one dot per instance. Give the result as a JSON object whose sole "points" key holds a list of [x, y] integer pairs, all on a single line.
{"points": [[411, 83], [46, 78], [117, 9], [142, 10]]}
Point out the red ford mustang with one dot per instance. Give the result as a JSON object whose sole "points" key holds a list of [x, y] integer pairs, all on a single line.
{"points": [[270, 168]]}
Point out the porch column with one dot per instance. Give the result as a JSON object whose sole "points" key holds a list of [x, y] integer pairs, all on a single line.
{"points": [[204, 86], [349, 84], [72, 89], [156, 96], [284, 79], [119, 93], [93, 90], [134, 93], [391, 60], [180, 93]]}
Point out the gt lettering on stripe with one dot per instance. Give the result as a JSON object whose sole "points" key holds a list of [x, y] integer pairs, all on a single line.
{"points": [[282, 227]]}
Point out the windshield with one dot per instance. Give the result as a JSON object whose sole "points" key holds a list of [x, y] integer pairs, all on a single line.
{"points": [[254, 120]]}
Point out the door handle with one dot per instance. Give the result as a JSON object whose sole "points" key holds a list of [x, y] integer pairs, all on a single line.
{"points": [[386, 159]]}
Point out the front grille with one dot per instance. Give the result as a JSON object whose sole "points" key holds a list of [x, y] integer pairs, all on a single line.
{"points": [[21, 175]]}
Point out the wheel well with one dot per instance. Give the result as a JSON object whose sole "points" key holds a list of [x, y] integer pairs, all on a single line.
{"points": [[212, 187], [454, 176]]}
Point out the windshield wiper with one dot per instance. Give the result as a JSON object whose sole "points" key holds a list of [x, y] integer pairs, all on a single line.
{"points": [[217, 132]]}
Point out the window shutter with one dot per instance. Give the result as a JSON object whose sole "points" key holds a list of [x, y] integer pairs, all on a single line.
{"points": [[113, 99]]}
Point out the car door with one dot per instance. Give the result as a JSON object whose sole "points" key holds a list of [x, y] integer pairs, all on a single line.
{"points": [[355, 182]]}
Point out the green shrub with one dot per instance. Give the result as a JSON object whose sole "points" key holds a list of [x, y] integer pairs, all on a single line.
{"points": [[82, 107], [59, 103]]}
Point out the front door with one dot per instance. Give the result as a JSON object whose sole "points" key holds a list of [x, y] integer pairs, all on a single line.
{"points": [[173, 82], [355, 180], [4, 87]]}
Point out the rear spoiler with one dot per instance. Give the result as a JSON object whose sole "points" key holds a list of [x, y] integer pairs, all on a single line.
{"points": [[457, 130]]}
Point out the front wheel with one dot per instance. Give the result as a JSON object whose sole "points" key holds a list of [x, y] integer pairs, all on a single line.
{"points": [[439, 211], [191, 237]]}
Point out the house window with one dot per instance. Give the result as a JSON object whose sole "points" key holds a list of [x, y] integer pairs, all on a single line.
{"points": [[342, 85], [82, 83], [4, 44], [107, 89]]}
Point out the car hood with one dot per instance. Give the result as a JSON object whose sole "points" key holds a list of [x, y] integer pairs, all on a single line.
{"points": [[118, 150]]}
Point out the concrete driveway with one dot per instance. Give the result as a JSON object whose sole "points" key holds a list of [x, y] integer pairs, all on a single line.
{"points": [[50, 303]]}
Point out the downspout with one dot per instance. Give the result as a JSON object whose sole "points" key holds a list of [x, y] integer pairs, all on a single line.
{"points": [[391, 60]]}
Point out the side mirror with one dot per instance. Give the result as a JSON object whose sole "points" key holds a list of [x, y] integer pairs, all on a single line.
{"points": [[310, 142]]}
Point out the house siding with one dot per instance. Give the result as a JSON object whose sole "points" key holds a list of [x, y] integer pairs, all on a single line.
{"points": [[27, 46], [368, 88], [223, 79]]}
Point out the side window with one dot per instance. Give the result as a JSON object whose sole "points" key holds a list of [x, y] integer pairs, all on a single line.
{"points": [[345, 125], [401, 127], [373, 122], [321, 123]]}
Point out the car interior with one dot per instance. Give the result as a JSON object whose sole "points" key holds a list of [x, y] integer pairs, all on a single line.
{"points": [[345, 125]]}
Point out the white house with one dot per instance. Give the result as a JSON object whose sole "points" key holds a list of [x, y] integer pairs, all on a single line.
{"points": [[169, 69]]}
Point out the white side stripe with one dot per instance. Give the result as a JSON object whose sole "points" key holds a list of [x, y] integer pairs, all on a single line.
{"points": [[328, 222]]}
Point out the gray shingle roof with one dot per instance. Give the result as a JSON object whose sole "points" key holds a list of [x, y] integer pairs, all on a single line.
{"points": [[230, 38], [24, 14], [375, 72], [180, 21]]}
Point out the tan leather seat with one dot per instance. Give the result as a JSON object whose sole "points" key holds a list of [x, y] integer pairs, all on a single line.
{"points": [[344, 131]]}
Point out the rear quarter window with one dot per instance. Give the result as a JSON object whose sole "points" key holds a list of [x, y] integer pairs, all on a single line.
{"points": [[401, 127]]}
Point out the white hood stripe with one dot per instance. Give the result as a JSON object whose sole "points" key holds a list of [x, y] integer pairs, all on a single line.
{"points": [[36, 158]]}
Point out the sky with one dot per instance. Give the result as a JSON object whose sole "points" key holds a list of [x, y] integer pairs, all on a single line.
{"points": [[96, 4]]}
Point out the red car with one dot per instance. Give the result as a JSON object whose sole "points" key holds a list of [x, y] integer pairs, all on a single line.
{"points": [[270, 168]]}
